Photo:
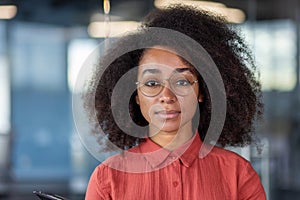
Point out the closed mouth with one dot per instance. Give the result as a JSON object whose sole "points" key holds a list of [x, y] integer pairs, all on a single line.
{"points": [[168, 114]]}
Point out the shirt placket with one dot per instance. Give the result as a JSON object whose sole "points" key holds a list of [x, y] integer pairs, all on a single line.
{"points": [[176, 182]]}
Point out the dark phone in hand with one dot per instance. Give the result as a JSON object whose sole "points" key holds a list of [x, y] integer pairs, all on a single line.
{"points": [[45, 196]]}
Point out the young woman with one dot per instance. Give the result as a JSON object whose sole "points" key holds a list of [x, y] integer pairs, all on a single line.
{"points": [[172, 100]]}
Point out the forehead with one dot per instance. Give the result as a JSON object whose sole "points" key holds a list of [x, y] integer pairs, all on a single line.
{"points": [[162, 59]]}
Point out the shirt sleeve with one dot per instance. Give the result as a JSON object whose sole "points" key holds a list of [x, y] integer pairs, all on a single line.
{"points": [[97, 189], [250, 187]]}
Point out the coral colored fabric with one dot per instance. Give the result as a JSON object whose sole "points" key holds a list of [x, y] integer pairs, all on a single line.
{"points": [[221, 175]]}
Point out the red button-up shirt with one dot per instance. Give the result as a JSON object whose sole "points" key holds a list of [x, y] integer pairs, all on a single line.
{"points": [[149, 172]]}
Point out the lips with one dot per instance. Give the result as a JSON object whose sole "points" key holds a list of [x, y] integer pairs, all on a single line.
{"points": [[171, 114]]}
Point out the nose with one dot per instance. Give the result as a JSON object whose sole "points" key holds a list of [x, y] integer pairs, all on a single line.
{"points": [[167, 96]]}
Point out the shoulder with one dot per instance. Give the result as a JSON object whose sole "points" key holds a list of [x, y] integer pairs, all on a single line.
{"points": [[130, 161], [99, 184], [229, 164], [227, 157], [238, 171]]}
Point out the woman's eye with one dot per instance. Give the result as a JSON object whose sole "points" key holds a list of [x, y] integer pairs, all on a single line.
{"points": [[182, 82], [152, 83]]}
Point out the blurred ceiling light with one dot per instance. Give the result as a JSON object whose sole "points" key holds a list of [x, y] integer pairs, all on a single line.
{"points": [[101, 17], [164, 3], [115, 28], [8, 11], [232, 15]]}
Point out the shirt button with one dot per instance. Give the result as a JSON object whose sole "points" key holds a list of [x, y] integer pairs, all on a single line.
{"points": [[175, 183]]}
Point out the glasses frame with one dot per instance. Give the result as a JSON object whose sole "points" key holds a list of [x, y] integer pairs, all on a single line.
{"points": [[162, 86]]}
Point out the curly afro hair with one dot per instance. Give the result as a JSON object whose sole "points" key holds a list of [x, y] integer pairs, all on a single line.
{"points": [[231, 56]]}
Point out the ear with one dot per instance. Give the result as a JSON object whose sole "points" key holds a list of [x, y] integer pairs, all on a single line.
{"points": [[200, 98], [137, 100]]}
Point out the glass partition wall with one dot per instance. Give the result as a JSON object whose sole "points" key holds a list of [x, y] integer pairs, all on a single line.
{"points": [[275, 46]]}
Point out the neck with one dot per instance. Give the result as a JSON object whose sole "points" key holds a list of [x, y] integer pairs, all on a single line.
{"points": [[173, 139]]}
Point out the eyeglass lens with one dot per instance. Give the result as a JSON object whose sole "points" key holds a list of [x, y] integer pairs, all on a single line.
{"points": [[180, 84]]}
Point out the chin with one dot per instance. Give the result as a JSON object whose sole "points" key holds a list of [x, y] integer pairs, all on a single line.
{"points": [[167, 127], [170, 130]]}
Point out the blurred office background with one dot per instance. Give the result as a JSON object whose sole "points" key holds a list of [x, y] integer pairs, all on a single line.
{"points": [[44, 43]]}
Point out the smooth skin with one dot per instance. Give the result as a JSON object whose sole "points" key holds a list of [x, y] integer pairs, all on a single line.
{"points": [[169, 115]]}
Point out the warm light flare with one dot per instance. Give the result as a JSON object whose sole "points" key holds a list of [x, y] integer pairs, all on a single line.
{"points": [[106, 6]]}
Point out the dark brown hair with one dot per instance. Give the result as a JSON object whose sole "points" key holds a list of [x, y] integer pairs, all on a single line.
{"points": [[232, 58]]}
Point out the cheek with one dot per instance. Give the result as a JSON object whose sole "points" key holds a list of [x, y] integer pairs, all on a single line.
{"points": [[145, 106], [189, 108]]}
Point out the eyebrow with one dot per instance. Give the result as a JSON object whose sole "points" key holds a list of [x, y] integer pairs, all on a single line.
{"points": [[180, 70], [152, 71], [156, 71]]}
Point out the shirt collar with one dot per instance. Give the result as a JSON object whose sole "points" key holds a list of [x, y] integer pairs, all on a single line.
{"points": [[160, 157]]}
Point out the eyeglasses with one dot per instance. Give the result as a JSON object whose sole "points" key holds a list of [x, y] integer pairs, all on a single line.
{"points": [[180, 84]]}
